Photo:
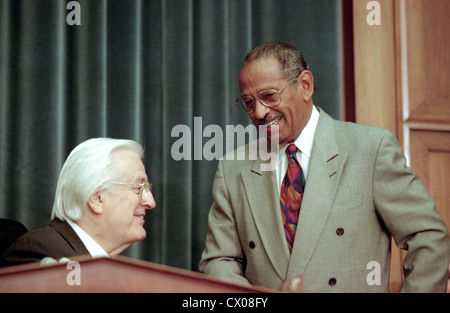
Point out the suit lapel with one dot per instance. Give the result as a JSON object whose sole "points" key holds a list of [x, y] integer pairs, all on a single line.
{"points": [[264, 201], [323, 177], [71, 237], [325, 170]]}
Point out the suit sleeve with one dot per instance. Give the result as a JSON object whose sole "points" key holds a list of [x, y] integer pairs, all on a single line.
{"points": [[46, 241], [25, 250], [222, 257], [410, 215]]}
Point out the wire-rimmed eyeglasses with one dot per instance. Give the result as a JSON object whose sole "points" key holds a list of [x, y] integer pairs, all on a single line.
{"points": [[145, 188], [268, 97]]}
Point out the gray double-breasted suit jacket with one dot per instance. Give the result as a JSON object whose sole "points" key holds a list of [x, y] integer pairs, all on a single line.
{"points": [[359, 192]]}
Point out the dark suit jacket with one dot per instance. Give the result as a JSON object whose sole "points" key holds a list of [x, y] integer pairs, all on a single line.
{"points": [[55, 240]]}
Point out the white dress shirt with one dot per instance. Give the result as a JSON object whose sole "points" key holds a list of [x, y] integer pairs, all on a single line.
{"points": [[95, 250], [304, 143]]}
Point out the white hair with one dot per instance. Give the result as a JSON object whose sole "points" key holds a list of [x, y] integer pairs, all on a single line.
{"points": [[88, 169]]}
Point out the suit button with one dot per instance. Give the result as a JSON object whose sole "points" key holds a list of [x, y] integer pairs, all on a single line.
{"points": [[251, 244], [340, 231], [332, 281]]}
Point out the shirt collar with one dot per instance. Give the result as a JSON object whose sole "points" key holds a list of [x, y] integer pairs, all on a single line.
{"points": [[95, 250], [304, 141]]}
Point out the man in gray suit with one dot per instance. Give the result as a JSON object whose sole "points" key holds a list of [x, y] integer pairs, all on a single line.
{"points": [[100, 202], [358, 192]]}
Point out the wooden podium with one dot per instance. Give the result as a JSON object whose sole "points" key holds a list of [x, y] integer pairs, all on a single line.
{"points": [[118, 274]]}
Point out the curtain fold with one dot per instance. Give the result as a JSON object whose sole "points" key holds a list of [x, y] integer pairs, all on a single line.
{"points": [[136, 69]]}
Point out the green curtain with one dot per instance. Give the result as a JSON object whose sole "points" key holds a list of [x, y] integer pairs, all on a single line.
{"points": [[136, 69]]}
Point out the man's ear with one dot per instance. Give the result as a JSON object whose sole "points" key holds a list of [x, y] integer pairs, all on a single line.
{"points": [[306, 81], [95, 203]]}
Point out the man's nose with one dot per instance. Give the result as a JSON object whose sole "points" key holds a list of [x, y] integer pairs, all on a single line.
{"points": [[261, 110], [149, 203]]}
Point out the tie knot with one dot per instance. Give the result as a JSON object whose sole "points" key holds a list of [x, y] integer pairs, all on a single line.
{"points": [[291, 150]]}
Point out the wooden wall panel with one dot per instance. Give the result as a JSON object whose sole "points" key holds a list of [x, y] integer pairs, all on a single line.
{"points": [[375, 67], [376, 82], [427, 113], [430, 154], [428, 48]]}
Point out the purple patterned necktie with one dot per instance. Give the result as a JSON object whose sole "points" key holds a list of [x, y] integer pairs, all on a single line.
{"points": [[291, 195]]}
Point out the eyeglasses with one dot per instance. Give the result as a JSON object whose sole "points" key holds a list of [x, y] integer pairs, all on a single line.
{"points": [[144, 188], [269, 98]]}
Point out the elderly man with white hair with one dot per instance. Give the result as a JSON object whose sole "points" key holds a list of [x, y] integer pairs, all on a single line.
{"points": [[101, 200]]}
